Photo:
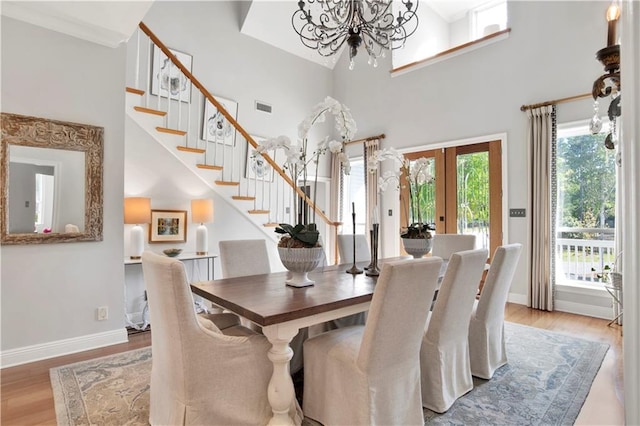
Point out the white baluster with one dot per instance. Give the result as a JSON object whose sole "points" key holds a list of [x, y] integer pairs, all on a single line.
{"points": [[137, 86], [205, 136], [189, 132], [169, 95], [149, 76], [179, 126]]}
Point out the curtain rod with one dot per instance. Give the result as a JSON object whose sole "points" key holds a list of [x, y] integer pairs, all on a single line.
{"points": [[370, 138], [557, 101]]}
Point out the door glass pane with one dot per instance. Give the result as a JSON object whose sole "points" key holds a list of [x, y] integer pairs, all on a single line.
{"points": [[424, 199], [473, 196], [354, 196], [586, 200]]}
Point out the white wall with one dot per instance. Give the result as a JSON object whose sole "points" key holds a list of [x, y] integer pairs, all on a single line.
{"points": [[50, 292], [480, 93]]}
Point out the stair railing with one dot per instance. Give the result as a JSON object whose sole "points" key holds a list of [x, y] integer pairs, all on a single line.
{"points": [[279, 196]]}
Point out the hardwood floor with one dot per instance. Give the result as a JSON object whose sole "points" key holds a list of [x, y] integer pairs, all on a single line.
{"points": [[27, 398]]}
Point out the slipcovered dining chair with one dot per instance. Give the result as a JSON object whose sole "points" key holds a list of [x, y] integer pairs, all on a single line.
{"points": [[345, 248], [364, 375], [444, 245], [444, 354], [240, 258], [198, 374], [486, 328]]}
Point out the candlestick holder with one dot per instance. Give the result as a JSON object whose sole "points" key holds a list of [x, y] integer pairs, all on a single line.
{"points": [[370, 265], [373, 270], [354, 270]]}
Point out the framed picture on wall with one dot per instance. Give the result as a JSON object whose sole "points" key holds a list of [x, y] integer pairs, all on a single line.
{"points": [[166, 79], [168, 226], [256, 166], [215, 126]]}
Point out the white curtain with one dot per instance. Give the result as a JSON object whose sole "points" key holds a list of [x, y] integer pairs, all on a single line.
{"points": [[337, 193], [541, 135]]}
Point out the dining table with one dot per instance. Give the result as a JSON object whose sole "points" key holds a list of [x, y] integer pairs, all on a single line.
{"points": [[282, 311]]}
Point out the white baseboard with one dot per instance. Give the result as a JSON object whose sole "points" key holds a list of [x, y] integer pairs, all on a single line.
{"points": [[582, 309], [520, 299], [12, 357], [570, 307]]}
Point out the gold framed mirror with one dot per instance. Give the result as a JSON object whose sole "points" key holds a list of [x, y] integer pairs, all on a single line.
{"points": [[51, 181]]}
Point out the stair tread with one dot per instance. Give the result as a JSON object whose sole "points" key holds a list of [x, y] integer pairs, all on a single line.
{"points": [[270, 224], [134, 91], [243, 198], [227, 183], [208, 166], [171, 131], [150, 111], [188, 149], [258, 211]]}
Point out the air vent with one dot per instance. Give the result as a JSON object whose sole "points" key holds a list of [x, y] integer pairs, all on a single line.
{"points": [[261, 106]]}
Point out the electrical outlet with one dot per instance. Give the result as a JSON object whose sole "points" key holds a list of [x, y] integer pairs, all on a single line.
{"points": [[390, 212], [103, 313]]}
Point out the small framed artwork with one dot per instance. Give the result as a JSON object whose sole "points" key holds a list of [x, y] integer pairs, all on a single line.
{"points": [[168, 226], [256, 166], [215, 126], [166, 79]]}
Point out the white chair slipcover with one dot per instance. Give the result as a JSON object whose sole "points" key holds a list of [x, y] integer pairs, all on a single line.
{"points": [[444, 354], [444, 245], [365, 375], [240, 258], [486, 327], [199, 375], [345, 248]]}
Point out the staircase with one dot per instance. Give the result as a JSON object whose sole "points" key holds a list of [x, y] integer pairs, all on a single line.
{"points": [[216, 149]]}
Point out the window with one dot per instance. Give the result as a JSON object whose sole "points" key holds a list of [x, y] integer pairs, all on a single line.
{"points": [[585, 205], [354, 197], [488, 18]]}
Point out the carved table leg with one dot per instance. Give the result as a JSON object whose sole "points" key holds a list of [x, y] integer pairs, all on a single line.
{"points": [[281, 392]]}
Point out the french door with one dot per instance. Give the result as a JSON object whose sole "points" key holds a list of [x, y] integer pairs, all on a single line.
{"points": [[467, 195]]}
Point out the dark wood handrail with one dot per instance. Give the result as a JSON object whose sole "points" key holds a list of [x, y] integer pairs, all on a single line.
{"points": [[232, 120]]}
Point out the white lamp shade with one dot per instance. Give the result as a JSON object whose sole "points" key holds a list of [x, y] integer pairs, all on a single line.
{"points": [[202, 210], [137, 210]]}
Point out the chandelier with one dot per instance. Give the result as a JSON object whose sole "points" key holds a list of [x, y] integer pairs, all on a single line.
{"points": [[608, 84], [368, 23]]}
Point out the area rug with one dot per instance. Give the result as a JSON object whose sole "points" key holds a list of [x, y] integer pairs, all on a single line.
{"points": [[545, 382]]}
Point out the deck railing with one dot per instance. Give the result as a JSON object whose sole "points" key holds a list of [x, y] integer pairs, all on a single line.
{"points": [[581, 249]]}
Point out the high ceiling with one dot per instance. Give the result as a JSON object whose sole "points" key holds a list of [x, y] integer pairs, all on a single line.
{"points": [[112, 22], [270, 22], [107, 23]]}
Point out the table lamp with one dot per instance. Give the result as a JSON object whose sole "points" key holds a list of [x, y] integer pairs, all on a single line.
{"points": [[202, 212], [137, 210]]}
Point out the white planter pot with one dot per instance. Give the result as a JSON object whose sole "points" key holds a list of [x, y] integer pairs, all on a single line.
{"points": [[300, 261], [417, 247]]}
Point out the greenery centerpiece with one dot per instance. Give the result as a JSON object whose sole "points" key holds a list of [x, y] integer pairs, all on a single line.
{"points": [[415, 177], [304, 234]]}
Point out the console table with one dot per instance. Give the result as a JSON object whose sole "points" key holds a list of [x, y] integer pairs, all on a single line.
{"points": [[184, 257]]}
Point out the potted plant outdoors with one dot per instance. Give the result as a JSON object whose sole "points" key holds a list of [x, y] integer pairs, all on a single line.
{"points": [[413, 175], [300, 248]]}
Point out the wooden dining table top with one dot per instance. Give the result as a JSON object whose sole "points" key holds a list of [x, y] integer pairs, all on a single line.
{"points": [[266, 299]]}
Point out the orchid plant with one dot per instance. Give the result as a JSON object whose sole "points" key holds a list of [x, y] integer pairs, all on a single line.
{"points": [[411, 174], [297, 161]]}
